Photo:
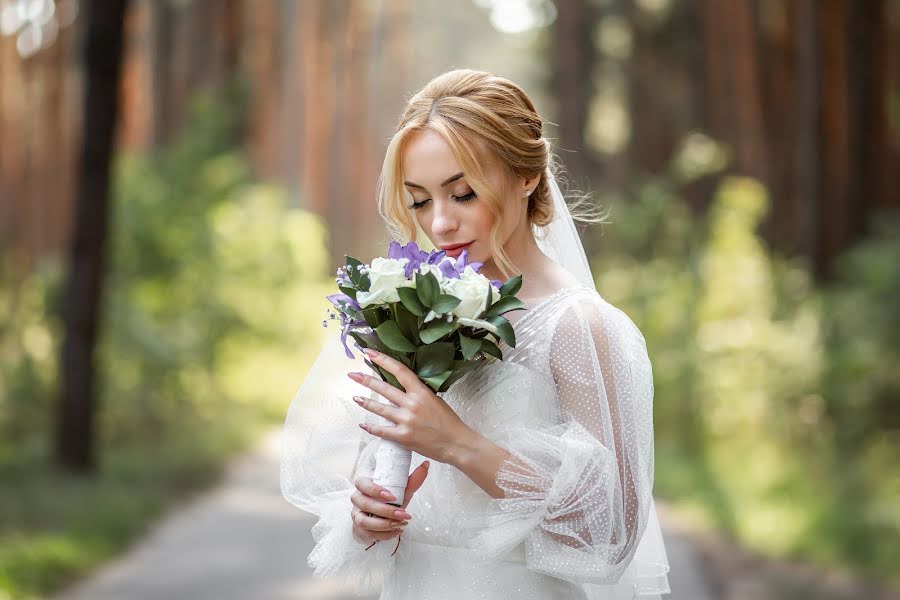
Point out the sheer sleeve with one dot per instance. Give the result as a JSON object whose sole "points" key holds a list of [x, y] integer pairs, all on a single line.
{"points": [[578, 489], [323, 450]]}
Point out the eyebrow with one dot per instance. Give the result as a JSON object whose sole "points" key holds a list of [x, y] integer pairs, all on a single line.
{"points": [[446, 181]]}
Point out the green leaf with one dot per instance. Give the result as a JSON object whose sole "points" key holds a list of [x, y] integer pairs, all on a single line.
{"points": [[389, 333], [475, 333], [428, 288], [367, 340], [489, 347], [348, 290], [487, 301], [405, 357], [436, 330], [359, 280], [504, 329], [408, 323], [460, 368], [434, 359], [373, 316], [352, 262], [437, 381], [512, 285], [444, 303], [469, 346], [410, 300], [504, 305]]}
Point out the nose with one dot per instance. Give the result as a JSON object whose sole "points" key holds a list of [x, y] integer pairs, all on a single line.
{"points": [[445, 219]]}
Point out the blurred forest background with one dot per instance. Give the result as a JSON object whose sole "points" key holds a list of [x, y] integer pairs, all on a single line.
{"points": [[179, 179]]}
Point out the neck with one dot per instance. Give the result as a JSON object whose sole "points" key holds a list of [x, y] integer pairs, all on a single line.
{"points": [[522, 249]]}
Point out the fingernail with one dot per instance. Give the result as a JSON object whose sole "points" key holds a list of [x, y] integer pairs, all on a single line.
{"points": [[402, 514], [396, 525], [372, 353], [387, 495], [427, 464], [358, 400], [357, 377]]}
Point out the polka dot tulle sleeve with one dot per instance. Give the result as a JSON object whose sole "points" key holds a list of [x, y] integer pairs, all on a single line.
{"points": [[578, 487]]}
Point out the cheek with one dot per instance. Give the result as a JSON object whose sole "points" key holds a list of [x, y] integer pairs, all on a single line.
{"points": [[424, 224], [484, 220]]}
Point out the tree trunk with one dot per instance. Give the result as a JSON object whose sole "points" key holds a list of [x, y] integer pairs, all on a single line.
{"points": [[102, 61], [162, 24], [573, 62]]}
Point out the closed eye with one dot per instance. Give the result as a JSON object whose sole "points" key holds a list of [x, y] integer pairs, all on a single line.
{"points": [[466, 198]]}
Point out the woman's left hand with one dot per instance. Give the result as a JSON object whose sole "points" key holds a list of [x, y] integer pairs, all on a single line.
{"points": [[425, 424]]}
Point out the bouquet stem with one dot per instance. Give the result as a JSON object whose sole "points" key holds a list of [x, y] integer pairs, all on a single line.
{"points": [[392, 468]]}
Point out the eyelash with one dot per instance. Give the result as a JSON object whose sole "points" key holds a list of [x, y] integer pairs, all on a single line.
{"points": [[466, 198]]}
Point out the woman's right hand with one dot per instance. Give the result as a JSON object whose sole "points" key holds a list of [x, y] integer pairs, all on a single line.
{"points": [[373, 518]]}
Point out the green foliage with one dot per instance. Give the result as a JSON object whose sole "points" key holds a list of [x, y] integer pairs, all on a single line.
{"points": [[776, 402], [390, 335], [212, 281], [434, 359], [427, 288]]}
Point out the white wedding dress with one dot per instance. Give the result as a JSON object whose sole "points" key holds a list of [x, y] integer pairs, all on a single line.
{"points": [[572, 403]]}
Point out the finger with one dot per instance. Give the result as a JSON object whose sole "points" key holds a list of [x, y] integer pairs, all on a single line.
{"points": [[391, 413], [386, 432], [374, 507], [375, 384], [404, 375], [376, 523], [381, 536], [416, 479], [373, 490]]}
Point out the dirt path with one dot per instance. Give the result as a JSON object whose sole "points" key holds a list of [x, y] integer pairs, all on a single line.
{"points": [[243, 541]]}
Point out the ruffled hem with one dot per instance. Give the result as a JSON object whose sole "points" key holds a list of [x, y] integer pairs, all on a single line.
{"points": [[337, 554]]}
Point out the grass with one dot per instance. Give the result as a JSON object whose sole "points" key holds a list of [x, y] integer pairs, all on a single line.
{"points": [[56, 528]]}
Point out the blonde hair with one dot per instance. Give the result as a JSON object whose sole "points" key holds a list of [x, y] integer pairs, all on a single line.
{"points": [[477, 112]]}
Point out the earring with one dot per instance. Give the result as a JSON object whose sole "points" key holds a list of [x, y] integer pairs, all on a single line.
{"points": [[528, 193]]}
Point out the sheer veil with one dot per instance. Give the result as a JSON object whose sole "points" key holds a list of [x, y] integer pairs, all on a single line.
{"points": [[559, 239]]}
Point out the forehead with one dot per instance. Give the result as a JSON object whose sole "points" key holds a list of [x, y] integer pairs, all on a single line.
{"points": [[426, 155], [428, 159]]}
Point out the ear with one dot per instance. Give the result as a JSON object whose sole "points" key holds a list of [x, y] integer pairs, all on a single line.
{"points": [[528, 184]]}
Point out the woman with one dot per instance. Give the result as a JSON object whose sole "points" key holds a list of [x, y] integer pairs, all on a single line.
{"points": [[534, 474]]}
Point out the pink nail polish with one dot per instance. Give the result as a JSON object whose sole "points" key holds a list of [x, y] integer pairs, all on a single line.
{"points": [[387, 495]]}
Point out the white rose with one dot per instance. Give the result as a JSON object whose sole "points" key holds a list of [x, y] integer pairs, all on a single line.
{"points": [[385, 276], [470, 274], [471, 289], [425, 269]]}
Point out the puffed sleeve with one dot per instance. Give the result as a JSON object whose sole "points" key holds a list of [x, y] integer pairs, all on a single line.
{"points": [[323, 450], [578, 488]]}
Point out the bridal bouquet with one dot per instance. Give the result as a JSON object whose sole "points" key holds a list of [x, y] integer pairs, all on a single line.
{"points": [[433, 313]]}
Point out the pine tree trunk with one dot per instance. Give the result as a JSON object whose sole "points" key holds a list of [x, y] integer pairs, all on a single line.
{"points": [[82, 299]]}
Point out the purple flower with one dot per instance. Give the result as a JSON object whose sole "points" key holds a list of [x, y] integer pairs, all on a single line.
{"points": [[496, 283], [463, 261], [454, 269], [411, 252], [347, 325], [336, 299], [448, 270]]}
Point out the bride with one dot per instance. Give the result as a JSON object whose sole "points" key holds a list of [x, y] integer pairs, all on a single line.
{"points": [[534, 474]]}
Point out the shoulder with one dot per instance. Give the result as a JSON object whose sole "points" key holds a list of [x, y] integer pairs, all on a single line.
{"points": [[584, 313]]}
